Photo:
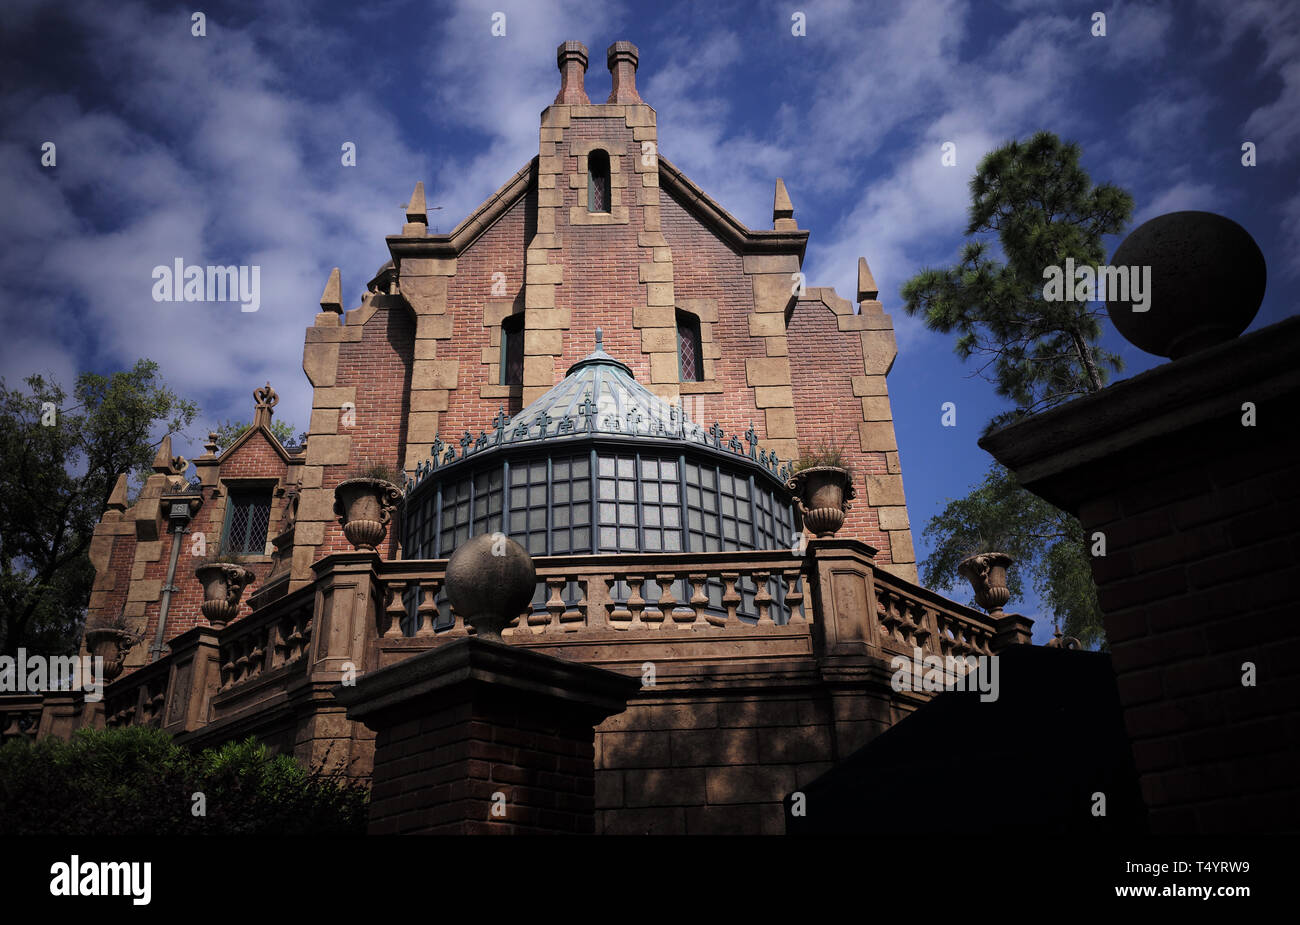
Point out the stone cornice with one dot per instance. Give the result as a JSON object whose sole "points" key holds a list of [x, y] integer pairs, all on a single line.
{"points": [[1201, 390]]}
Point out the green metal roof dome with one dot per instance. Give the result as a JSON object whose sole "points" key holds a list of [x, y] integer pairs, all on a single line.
{"points": [[599, 397]]}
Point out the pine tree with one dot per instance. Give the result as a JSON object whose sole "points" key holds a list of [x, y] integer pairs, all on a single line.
{"points": [[1034, 203]]}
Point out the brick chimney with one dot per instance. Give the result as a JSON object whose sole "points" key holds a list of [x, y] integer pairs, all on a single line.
{"points": [[572, 60], [622, 58]]}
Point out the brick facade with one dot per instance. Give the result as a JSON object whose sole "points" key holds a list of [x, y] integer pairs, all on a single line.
{"points": [[1198, 581]]}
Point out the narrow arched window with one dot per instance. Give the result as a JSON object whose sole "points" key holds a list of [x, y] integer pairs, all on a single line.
{"points": [[512, 350], [689, 359], [598, 181]]}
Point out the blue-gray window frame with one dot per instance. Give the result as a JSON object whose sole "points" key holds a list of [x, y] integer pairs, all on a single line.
{"points": [[423, 535]]}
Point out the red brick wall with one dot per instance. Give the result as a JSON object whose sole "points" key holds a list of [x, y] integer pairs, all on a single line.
{"points": [[1202, 564], [256, 459], [379, 368], [714, 766], [436, 773], [704, 267], [500, 249], [823, 362]]}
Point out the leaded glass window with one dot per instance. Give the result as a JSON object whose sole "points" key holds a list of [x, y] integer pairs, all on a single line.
{"points": [[690, 360], [248, 514], [598, 198]]}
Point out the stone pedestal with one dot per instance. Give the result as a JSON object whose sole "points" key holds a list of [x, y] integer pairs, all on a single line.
{"points": [[479, 737], [1190, 473]]}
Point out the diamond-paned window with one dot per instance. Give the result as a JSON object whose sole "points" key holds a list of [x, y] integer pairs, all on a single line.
{"points": [[248, 514], [688, 348], [598, 181]]}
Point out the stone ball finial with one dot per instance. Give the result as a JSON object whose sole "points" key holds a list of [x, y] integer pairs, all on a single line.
{"points": [[1206, 283], [490, 580]]}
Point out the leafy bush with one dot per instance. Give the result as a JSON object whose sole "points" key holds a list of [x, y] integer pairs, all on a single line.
{"points": [[137, 781]]}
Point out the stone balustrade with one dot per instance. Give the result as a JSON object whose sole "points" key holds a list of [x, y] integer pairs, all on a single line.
{"points": [[832, 605]]}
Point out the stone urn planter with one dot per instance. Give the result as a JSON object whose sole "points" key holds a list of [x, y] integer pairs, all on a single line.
{"points": [[364, 506], [822, 494], [111, 643], [987, 574], [223, 586], [490, 580]]}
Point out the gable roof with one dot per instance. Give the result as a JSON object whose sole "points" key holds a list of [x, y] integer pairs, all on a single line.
{"points": [[248, 435], [741, 238]]}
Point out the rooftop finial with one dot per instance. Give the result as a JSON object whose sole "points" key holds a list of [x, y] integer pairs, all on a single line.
{"points": [[600, 339]]}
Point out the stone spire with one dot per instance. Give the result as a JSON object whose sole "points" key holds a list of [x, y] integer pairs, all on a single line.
{"points": [[162, 460], [417, 217], [117, 500], [571, 57], [867, 288], [782, 209], [331, 300]]}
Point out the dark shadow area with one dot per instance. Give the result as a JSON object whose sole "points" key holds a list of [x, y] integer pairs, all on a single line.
{"points": [[1028, 762]]}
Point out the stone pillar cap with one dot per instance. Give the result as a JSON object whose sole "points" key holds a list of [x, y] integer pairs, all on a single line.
{"points": [[571, 51], [622, 50]]}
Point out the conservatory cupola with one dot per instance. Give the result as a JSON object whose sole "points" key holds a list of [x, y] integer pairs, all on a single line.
{"points": [[600, 464]]}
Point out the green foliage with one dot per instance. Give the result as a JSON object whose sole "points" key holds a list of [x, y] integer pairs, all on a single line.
{"points": [[59, 462], [1047, 546], [824, 455], [1043, 208], [369, 469], [229, 431], [137, 781], [1034, 201]]}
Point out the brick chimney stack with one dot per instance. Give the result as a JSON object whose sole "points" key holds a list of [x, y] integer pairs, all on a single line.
{"points": [[622, 58], [572, 60]]}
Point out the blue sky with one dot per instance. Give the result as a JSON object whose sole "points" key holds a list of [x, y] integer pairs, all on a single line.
{"points": [[225, 149]]}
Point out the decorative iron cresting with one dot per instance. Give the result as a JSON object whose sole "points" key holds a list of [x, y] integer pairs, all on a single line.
{"points": [[599, 396]]}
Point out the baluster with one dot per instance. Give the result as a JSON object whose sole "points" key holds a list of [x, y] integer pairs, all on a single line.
{"points": [[458, 627], [575, 617], [256, 660], [763, 598], [396, 609], [923, 632], [427, 611], [730, 597], [635, 602], [794, 595], [619, 615], [699, 600], [304, 624], [555, 603], [667, 602]]}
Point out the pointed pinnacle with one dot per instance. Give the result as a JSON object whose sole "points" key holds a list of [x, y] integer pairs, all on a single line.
{"points": [[782, 207], [415, 209], [867, 288], [117, 500], [331, 300], [162, 461]]}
